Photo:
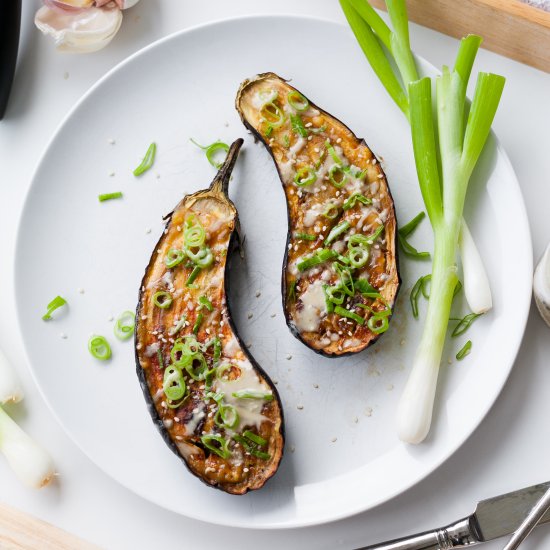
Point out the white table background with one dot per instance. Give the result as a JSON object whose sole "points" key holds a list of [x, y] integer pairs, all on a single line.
{"points": [[509, 450]]}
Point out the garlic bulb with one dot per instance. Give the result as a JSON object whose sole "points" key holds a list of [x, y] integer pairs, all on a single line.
{"points": [[541, 286], [79, 30]]}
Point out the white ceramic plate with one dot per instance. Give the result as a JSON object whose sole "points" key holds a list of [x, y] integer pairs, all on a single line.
{"points": [[342, 454]]}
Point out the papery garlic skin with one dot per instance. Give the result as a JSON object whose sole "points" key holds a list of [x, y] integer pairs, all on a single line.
{"points": [[541, 286], [84, 31]]}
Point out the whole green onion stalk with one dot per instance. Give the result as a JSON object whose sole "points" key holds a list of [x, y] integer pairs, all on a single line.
{"points": [[30, 462], [444, 164]]}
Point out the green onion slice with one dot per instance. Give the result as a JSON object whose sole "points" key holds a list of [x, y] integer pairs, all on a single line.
{"points": [[358, 256], [251, 447], [343, 312], [253, 394], [416, 291], [174, 386], [379, 323], [298, 125], [305, 236], [178, 326], [346, 280], [272, 115], [331, 211], [337, 176], [197, 367], [365, 288], [56, 303], [406, 230], [174, 257], [465, 350], [99, 347], [124, 325], [194, 233], [255, 438], [198, 323], [226, 416], [297, 101], [465, 323], [333, 154], [147, 161], [409, 227], [212, 150], [205, 302], [305, 176], [292, 291], [336, 231], [352, 201], [217, 444], [193, 275], [162, 299], [109, 196], [320, 256]]}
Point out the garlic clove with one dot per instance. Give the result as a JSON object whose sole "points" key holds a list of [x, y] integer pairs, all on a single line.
{"points": [[79, 31], [541, 286], [70, 4], [122, 4]]}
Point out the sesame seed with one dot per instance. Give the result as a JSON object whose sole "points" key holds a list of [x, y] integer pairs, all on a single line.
{"points": [[292, 448], [289, 357], [110, 318], [138, 346], [111, 173], [111, 141], [258, 293], [245, 470], [356, 420], [380, 176], [81, 290], [389, 387], [273, 315], [334, 439], [63, 336], [299, 407], [316, 386], [148, 230], [250, 315], [308, 124], [248, 344]]}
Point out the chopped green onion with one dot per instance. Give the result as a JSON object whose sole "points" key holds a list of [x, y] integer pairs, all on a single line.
{"points": [[286, 141], [255, 438], [178, 326], [212, 150], [328, 302], [465, 324], [336, 231], [109, 196], [160, 360], [465, 350], [251, 447], [331, 211], [305, 176], [319, 130], [197, 372], [292, 291], [124, 325], [346, 279], [405, 231], [173, 385], [358, 256], [332, 153], [217, 345], [305, 236], [193, 275], [174, 257], [205, 302], [378, 323], [365, 288], [272, 115], [226, 416], [56, 303], [253, 394], [351, 202], [335, 294], [343, 312], [162, 299], [147, 161], [297, 101], [194, 234], [198, 322], [320, 256], [202, 258], [416, 291], [99, 347], [222, 447], [337, 176], [298, 126]]}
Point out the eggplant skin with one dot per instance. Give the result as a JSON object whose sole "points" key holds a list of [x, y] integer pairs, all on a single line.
{"points": [[182, 427], [285, 144]]}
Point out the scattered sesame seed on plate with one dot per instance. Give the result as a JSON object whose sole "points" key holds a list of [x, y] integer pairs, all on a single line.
{"points": [[250, 315], [299, 407], [111, 141], [334, 439], [112, 173], [258, 293], [273, 315], [63, 335], [81, 290], [110, 318], [289, 357]]}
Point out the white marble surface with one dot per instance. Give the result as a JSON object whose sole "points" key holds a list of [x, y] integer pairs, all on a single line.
{"points": [[510, 448]]}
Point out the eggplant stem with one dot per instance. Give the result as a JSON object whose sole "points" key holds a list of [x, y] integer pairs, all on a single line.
{"points": [[221, 181]]}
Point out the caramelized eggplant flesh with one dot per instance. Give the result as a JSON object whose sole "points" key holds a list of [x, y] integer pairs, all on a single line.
{"points": [[340, 271], [215, 407]]}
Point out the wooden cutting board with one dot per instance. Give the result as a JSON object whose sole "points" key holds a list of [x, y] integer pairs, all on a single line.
{"points": [[19, 531], [509, 27]]}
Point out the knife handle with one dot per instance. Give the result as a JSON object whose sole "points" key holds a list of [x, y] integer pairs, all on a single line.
{"points": [[457, 535], [10, 22]]}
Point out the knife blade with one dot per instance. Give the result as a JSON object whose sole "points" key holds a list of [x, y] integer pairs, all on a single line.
{"points": [[493, 518]]}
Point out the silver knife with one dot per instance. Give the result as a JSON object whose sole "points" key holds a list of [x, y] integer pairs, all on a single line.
{"points": [[493, 518]]}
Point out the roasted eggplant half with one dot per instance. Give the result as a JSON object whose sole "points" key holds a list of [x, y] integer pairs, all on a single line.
{"points": [[340, 270], [213, 404]]}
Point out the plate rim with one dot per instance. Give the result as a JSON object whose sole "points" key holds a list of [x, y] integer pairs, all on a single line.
{"points": [[523, 312]]}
